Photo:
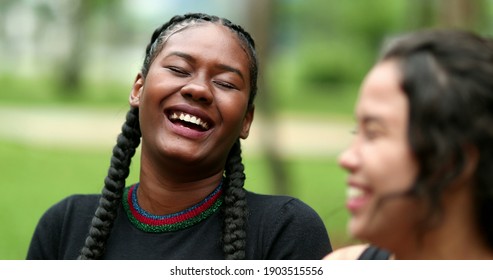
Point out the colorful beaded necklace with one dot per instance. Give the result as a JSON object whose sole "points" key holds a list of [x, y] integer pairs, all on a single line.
{"points": [[148, 222]]}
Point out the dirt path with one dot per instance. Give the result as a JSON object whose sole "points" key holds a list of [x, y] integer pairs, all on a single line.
{"points": [[98, 128]]}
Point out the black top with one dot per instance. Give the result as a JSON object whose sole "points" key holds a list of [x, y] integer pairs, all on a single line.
{"points": [[279, 227], [374, 253]]}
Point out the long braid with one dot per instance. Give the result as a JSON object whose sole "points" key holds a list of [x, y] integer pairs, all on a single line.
{"points": [[114, 183], [235, 207]]}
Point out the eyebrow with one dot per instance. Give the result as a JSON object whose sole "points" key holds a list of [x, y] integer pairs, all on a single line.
{"points": [[220, 66], [373, 119], [370, 118]]}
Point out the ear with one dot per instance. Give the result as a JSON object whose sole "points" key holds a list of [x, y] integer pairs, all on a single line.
{"points": [[247, 122], [136, 93]]}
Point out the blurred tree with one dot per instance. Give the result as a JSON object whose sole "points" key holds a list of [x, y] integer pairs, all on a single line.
{"points": [[261, 21], [72, 67], [4, 8], [81, 14], [467, 14], [420, 13], [338, 39]]}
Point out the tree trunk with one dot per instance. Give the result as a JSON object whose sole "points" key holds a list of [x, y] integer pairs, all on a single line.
{"points": [[261, 15], [73, 65], [466, 14]]}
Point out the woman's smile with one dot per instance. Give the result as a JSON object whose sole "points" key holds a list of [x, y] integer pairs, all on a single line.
{"points": [[357, 198], [188, 121]]}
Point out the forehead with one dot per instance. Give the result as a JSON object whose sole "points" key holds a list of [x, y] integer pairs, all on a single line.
{"points": [[381, 94], [201, 31], [208, 40]]}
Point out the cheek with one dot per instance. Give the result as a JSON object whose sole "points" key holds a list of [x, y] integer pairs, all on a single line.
{"points": [[392, 169], [232, 107]]}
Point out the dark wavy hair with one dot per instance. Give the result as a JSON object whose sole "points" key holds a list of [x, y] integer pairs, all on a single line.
{"points": [[447, 77], [234, 209]]}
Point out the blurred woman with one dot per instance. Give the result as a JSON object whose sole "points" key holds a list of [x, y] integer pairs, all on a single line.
{"points": [[420, 182]]}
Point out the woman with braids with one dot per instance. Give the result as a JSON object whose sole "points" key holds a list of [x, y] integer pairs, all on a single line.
{"points": [[190, 104], [421, 164]]}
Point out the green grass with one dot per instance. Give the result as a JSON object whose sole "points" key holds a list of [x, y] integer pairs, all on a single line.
{"points": [[37, 177]]}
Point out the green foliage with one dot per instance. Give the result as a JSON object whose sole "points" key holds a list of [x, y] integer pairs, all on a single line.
{"points": [[327, 49], [332, 62], [296, 95]]}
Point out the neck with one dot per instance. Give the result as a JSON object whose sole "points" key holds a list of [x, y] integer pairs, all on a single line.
{"points": [[161, 195], [459, 248], [168, 187], [456, 236]]}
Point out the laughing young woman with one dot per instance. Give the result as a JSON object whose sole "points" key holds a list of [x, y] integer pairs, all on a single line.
{"points": [[191, 103], [421, 164]]}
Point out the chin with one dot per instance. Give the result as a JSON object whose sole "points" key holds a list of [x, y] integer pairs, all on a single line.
{"points": [[183, 157], [357, 228]]}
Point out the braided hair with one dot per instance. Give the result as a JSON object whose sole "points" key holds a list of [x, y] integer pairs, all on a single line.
{"points": [[234, 210]]}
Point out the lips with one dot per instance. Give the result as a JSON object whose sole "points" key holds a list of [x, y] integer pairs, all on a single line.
{"points": [[357, 197], [190, 117]]}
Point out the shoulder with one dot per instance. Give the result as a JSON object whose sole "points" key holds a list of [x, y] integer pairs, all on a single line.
{"points": [[347, 253], [276, 203], [288, 228], [78, 201], [282, 209], [74, 204], [62, 226]]}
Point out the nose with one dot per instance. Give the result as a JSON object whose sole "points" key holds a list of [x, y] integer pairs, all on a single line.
{"points": [[198, 91], [349, 159]]}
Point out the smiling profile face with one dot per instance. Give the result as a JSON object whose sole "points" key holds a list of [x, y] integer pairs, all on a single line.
{"points": [[379, 161], [193, 103]]}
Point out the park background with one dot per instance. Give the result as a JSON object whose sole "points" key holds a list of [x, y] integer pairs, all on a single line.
{"points": [[67, 67]]}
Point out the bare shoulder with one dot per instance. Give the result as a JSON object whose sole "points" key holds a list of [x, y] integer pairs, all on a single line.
{"points": [[347, 253]]}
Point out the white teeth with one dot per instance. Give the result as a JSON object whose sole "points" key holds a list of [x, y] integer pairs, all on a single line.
{"points": [[189, 118], [354, 192]]}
